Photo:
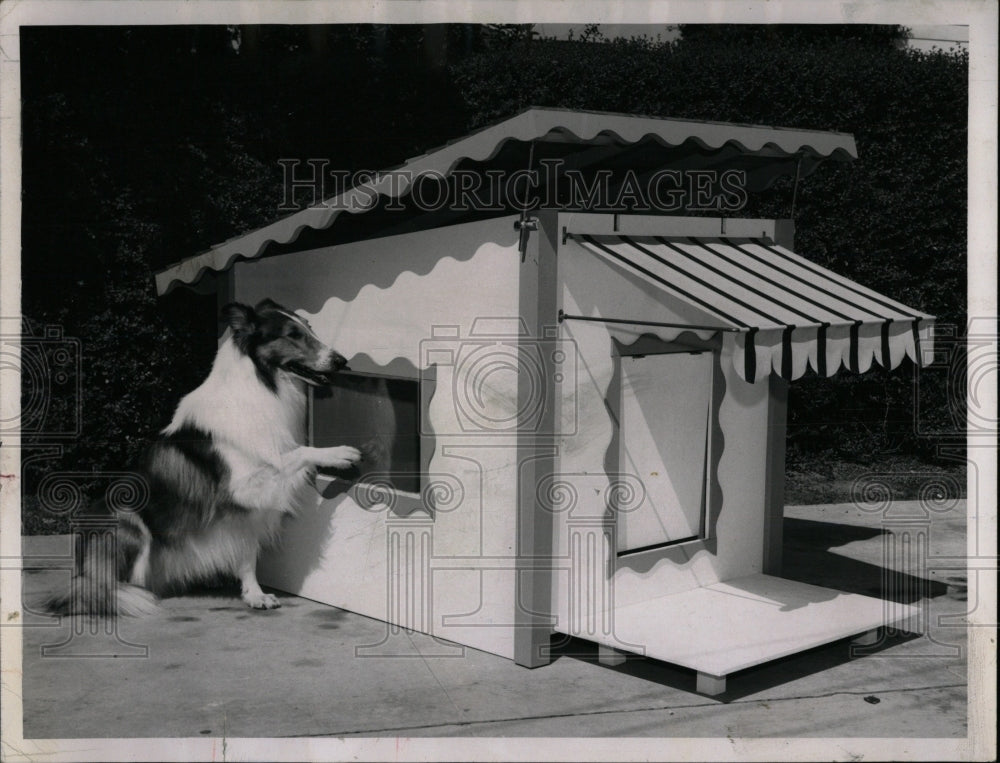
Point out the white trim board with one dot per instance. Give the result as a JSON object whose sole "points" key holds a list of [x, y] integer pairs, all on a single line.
{"points": [[603, 224]]}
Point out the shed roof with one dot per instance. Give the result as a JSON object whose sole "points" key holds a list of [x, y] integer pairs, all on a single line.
{"points": [[588, 140]]}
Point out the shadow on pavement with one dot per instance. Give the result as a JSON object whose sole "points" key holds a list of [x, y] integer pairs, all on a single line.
{"points": [[807, 558]]}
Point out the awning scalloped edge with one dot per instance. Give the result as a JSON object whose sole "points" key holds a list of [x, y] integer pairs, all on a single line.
{"points": [[792, 351]]}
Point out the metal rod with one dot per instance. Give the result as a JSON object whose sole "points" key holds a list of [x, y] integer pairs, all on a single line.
{"points": [[564, 317], [795, 187]]}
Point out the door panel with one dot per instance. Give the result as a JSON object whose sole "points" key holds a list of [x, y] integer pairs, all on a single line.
{"points": [[664, 419]]}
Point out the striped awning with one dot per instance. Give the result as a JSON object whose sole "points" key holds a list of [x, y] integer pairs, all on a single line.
{"points": [[785, 313]]}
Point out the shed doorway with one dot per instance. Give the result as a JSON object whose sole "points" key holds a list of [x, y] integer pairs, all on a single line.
{"points": [[665, 431]]}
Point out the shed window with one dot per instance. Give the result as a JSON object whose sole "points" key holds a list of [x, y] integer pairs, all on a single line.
{"points": [[379, 415]]}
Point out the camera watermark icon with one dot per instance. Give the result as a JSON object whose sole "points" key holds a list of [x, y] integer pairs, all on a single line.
{"points": [[952, 388], [502, 381], [49, 366]]}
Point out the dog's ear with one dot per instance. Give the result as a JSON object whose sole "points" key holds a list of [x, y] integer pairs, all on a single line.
{"points": [[242, 321], [267, 304]]}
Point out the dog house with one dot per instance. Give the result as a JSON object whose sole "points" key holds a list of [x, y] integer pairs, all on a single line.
{"points": [[569, 370]]}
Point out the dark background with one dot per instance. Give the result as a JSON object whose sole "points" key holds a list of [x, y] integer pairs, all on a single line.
{"points": [[145, 145]]}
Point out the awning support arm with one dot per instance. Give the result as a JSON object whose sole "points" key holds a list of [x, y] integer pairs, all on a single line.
{"points": [[564, 317], [795, 187], [524, 224]]}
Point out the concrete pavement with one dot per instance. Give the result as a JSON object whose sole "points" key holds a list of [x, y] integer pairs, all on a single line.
{"points": [[207, 666]]}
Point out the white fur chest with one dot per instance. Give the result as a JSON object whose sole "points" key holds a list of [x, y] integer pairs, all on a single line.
{"points": [[241, 413]]}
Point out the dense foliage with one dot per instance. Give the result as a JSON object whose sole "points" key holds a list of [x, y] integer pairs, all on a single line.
{"points": [[895, 220], [143, 146], [146, 145]]}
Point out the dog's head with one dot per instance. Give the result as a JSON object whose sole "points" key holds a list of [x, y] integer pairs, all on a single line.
{"points": [[277, 340]]}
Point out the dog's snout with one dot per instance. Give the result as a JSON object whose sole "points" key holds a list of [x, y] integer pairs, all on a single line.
{"points": [[337, 361]]}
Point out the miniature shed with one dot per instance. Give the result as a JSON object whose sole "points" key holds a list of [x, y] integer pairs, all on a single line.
{"points": [[575, 417]]}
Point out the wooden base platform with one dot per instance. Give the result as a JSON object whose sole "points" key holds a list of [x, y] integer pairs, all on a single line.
{"points": [[725, 627]]}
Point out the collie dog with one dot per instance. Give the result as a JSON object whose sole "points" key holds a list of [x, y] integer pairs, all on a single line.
{"points": [[221, 476]]}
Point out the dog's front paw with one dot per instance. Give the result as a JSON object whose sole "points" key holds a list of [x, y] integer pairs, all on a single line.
{"points": [[261, 600], [341, 457]]}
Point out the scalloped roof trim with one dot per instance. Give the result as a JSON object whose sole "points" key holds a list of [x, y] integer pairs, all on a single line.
{"points": [[485, 144]]}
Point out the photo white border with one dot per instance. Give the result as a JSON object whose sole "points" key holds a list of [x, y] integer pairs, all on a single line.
{"points": [[981, 17]]}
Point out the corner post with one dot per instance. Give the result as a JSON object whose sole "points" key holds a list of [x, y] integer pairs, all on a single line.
{"points": [[774, 478], [535, 452], [777, 424]]}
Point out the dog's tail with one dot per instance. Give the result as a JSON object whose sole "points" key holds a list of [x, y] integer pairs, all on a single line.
{"points": [[103, 563], [88, 596]]}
